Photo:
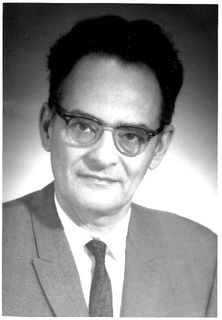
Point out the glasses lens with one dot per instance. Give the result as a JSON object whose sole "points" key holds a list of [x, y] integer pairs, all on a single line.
{"points": [[131, 141], [82, 131]]}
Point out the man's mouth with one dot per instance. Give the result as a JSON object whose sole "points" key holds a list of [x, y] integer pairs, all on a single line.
{"points": [[99, 178]]}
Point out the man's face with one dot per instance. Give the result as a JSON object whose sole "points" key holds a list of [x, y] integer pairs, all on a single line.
{"points": [[99, 179]]}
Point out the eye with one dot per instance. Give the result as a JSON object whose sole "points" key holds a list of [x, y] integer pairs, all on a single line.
{"points": [[82, 126], [82, 131], [131, 137]]}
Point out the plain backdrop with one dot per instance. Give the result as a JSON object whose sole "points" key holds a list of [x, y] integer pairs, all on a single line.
{"points": [[186, 180]]}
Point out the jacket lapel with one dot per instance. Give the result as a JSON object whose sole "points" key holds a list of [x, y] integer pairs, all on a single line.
{"points": [[55, 266], [142, 281]]}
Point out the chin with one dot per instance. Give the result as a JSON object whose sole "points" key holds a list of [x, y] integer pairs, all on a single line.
{"points": [[96, 199], [97, 203], [100, 207]]}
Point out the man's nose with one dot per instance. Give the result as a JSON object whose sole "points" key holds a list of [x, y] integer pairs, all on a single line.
{"points": [[104, 153]]}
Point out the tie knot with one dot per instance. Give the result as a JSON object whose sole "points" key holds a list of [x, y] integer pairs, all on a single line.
{"points": [[98, 249]]}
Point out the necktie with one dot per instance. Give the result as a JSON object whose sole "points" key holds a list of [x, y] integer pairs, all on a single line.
{"points": [[100, 302]]}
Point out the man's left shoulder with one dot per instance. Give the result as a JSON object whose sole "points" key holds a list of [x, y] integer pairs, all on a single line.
{"points": [[186, 253], [179, 230]]}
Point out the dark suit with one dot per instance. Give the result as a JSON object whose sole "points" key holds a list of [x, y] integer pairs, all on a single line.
{"points": [[170, 264]]}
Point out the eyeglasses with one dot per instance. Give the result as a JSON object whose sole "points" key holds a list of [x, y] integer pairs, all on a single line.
{"points": [[84, 131]]}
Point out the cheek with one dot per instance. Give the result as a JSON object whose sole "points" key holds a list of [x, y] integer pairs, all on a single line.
{"points": [[137, 167], [63, 156], [136, 171], [66, 158]]}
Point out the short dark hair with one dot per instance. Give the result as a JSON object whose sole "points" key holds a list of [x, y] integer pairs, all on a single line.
{"points": [[139, 42]]}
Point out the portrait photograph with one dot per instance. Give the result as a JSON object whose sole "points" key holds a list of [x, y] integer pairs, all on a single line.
{"points": [[110, 170]]}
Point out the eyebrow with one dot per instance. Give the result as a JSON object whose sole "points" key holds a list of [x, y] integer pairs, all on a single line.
{"points": [[120, 123]]}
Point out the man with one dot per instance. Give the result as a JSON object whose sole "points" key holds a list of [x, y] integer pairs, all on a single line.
{"points": [[80, 247]]}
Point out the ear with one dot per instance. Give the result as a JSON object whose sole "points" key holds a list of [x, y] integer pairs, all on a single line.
{"points": [[162, 146], [45, 126]]}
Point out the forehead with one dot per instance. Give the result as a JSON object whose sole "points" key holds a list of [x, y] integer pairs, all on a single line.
{"points": [[111, 90]]}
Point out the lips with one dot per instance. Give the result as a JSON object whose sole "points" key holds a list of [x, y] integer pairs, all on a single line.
{"points": [[98, 178]]}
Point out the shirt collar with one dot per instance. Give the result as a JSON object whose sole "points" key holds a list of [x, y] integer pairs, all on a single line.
{"points": [[115, 238]]}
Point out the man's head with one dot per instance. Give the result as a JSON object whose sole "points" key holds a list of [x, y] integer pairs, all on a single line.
{"points": [[136, 42], [113, 86]]}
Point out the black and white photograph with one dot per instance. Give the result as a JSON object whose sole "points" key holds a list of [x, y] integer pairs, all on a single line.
{"points": [[110, 135]]}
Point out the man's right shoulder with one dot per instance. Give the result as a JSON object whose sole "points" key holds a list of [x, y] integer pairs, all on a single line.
{"points": [[19, 204], [23, 206], [16, 214]]}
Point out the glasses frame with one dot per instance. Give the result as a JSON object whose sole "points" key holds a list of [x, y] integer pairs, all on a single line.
{"points": [[67, 117]]}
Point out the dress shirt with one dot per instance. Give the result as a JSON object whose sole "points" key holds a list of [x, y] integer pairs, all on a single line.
{"points": [[115, 240]]}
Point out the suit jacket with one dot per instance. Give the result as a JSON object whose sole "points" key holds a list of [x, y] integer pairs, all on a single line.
{"points": [[170, 264]]}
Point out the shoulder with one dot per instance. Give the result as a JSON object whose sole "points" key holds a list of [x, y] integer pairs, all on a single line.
{"points": [[17, 213], [178, 232], [18, 238], [17, 223], [172, 222], [19, 208]]}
